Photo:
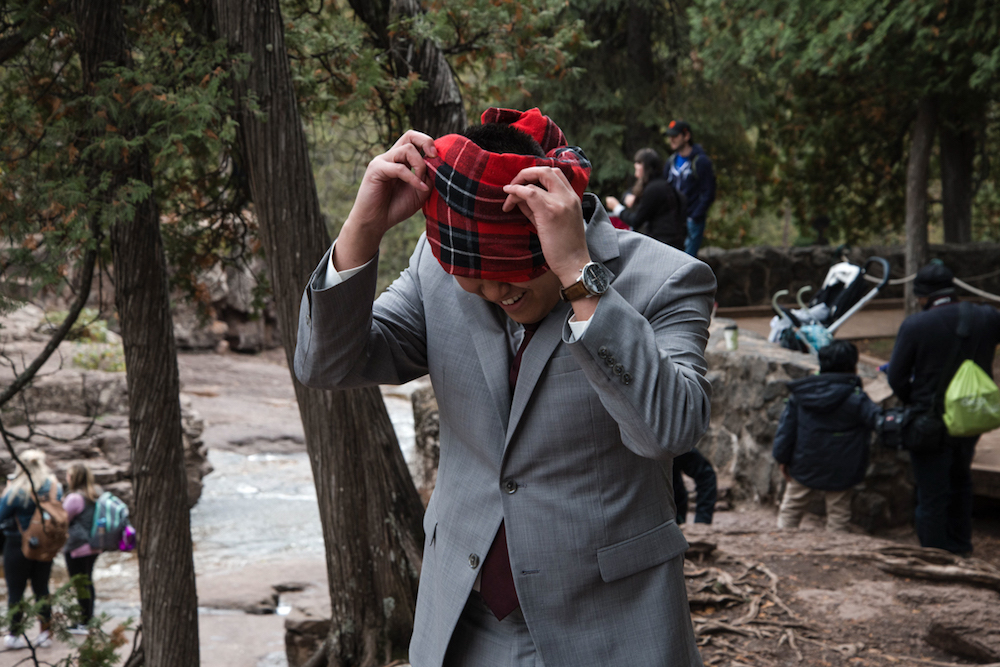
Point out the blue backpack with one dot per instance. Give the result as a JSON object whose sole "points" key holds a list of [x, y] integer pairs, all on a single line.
{"points": [[110, 521]]}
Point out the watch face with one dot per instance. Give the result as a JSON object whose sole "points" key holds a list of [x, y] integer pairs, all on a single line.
{"points": [[595, 278]]}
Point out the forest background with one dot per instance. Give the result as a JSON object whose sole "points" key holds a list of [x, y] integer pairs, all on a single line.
{"points": [[145, 141]]}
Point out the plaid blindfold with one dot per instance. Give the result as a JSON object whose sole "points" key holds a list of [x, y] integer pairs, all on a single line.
{"points": [[469, 233]]}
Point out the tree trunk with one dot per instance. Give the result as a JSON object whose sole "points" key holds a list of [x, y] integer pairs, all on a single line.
{"points": [[438, 109], [162, 519], [369, 508], [921, 139], [958, 148], [641, 73]]}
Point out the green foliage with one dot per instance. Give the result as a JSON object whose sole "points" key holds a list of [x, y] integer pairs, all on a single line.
{"points": [[835, 90], [97, 649], [68, 147], [100, 357], [88, 326]]}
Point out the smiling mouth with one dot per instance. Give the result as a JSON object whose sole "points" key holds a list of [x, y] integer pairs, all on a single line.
{"points": [[511, 301]]}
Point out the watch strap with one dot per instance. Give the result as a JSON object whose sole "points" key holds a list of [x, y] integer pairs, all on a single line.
{"points": [[575, 291]]}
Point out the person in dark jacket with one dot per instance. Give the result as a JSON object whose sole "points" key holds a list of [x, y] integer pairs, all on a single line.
{"points": [[653, 207], [823, 437], [690, 170], [17, 506], [922, 350]]}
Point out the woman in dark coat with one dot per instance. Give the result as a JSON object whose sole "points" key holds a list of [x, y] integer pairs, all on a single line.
{"points": [[653, 207]]}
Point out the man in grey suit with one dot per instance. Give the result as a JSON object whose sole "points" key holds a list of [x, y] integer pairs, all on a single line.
{"points": [[550, 536]]}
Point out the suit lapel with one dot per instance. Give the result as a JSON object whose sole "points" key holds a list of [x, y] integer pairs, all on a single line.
{"points": [[602, 241], [490, 340], [533, 361]]}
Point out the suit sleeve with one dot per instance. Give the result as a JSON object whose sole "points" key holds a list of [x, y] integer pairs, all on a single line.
{"points": [[346, 341], [648, 368], [784, 439]]}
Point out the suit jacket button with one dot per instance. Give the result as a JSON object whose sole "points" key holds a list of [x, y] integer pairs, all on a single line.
{"points": [[510, 486], [610, 360], [473, 561], [602, 352], [626, 379], [618, 369]]}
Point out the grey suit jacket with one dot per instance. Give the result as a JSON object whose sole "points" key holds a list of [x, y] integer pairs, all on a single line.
{"points": [[574, 462]]}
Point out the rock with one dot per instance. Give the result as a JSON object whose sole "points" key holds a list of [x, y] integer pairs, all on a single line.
{"points": [[21, 324], [82, 416], [303, 636], [191, 332], [73, 391], [972, 643], [251, 335], [308, 623]]}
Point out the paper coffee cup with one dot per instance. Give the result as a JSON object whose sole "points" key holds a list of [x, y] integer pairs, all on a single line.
{"points": [[732, 336]]}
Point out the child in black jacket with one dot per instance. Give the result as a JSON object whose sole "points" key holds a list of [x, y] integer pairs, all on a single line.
{"points": [[823, 437]]}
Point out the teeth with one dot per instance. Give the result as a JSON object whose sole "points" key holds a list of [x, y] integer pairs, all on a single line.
{"points": [[511, 301]]}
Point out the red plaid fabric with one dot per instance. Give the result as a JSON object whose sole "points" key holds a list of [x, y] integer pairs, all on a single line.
{"points": [[468, 231]]}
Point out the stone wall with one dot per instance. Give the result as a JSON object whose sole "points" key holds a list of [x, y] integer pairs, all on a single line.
{"points": [[750, 276], [749, 392]]}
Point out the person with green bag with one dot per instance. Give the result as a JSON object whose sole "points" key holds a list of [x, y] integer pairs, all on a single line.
{"points": [[930, 346], [971, 402]]}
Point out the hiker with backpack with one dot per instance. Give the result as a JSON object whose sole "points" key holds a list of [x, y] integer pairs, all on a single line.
{"points": [[30, 537], [930, 346], [80, 504], [653, 207], [690, 171]]}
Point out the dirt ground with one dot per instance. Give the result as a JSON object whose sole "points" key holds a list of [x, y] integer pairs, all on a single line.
{"points": [[767, 598]]}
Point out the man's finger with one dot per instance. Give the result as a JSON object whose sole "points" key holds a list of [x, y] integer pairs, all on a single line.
{"points": [[409, 155], [517, 195], [549, 178], [402, 172], [422, 141]]}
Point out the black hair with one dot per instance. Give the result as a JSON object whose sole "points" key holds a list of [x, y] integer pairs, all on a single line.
{"points": [[652, 165], [840, 356], [503, 138]]}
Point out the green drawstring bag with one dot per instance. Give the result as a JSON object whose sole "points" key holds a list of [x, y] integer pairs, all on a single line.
{"points": [[972, 402]]}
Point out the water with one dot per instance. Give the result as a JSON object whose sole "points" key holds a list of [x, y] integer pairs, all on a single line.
{"points": [[263, 506]]}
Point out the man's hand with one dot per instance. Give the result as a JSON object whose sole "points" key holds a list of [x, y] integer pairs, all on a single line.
{"points": [[544, 195], [392, 190], [784, 471], [611, 203]]}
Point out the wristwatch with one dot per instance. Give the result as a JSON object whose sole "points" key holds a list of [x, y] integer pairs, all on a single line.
{"points": [[593, 281]]}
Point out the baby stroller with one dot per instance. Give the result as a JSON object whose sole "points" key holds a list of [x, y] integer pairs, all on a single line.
{"points": [[811, 326]]}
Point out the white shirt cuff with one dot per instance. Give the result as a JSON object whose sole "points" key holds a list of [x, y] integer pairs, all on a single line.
{"points": [[577, 329], [617, 211], [335, 277]]}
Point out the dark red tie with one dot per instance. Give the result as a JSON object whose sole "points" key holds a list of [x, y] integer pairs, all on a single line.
{"points": [[497, 583]]}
